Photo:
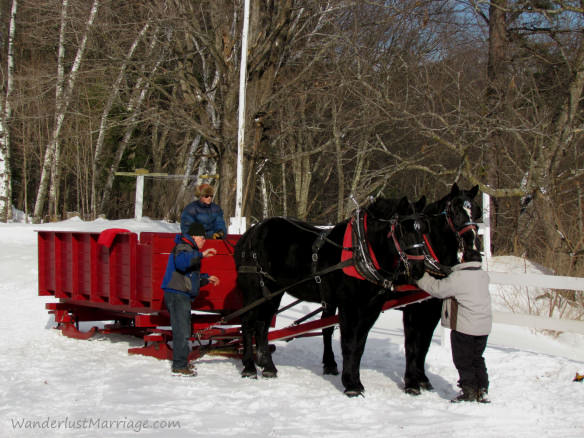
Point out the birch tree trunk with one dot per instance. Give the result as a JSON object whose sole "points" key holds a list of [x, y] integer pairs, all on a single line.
{"points": [[264, 193], [302, 178], [115, 91], [6, 114], [134, 107], [339, 160], [63, 94], [189, 166], [356, 182]]}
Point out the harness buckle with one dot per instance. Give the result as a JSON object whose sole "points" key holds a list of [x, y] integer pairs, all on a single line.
{"points": [[314, 257], [317, 279], [387, 284]]}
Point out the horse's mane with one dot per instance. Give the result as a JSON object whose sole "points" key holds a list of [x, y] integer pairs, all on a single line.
{"points": [[438, 206], [383, 208]]}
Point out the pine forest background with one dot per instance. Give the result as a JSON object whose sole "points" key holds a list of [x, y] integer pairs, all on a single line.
{"points": [[347, 97]]}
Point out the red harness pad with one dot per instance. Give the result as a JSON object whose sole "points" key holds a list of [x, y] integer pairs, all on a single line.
{"points": [[347, 252]]}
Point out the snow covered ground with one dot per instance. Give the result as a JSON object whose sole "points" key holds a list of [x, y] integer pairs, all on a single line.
{"points": [[51, 385]]}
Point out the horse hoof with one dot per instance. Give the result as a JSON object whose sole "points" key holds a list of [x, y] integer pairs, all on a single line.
{"points": [[249, 374], [330, 370], [412, 391], [354, 393], [426, 386], [269, 374]]}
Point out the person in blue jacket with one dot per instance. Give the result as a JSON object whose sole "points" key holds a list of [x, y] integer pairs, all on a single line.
{"points": [[205, 212], [181, 283]]}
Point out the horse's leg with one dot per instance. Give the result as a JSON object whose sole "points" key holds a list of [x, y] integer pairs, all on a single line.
{"points": [[249, 368], [419, 322], [263, 353], [328, 356], [355, 326]]}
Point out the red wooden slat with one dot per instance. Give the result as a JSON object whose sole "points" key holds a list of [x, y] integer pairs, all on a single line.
{"points": [[45, 272]]}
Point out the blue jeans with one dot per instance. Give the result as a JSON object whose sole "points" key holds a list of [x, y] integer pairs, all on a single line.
{"points": [[179, 306]]}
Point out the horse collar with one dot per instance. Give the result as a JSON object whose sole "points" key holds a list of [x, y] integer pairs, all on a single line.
{"points": [[356, 247]]}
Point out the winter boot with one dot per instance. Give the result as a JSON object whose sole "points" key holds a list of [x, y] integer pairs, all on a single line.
{"points": [[466, 394], [184, 372], [483, 395]]}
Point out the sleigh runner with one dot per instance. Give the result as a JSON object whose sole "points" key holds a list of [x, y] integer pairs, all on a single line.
{"points": [[116, 282]]}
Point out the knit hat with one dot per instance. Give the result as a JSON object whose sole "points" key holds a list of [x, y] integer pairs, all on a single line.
{"points": [[204, 190], [196, 229]]}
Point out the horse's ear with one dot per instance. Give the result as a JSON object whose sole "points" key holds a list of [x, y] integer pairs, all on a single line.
{"points": [[403, 204], [473, 192], [421, 203], [454, 191]]}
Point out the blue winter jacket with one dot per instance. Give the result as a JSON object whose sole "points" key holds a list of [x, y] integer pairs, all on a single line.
{"points": [[209, 215], [182, 273]]}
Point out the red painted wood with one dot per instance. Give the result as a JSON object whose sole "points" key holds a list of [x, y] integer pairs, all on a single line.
{"points": [[122, 283], [73, 267]]}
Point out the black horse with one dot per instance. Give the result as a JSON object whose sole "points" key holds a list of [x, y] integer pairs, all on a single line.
{"points": [[453, 230], [281, 254]]}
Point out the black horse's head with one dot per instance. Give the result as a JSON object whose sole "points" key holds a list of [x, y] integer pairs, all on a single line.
{"points": [[453, 225], [396, 230]]}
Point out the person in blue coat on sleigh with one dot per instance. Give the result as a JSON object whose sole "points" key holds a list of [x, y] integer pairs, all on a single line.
{"points": [[205, 212]]}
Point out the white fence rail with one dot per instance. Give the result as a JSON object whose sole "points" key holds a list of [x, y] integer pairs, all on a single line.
{"points": [[537, 280], [543, 281], [527, 279], [539, 322]]}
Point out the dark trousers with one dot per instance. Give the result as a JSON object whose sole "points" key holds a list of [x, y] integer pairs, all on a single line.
{"points": [[179, 307], [467, 354]]}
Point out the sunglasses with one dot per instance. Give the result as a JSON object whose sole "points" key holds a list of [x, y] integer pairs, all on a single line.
{"points": [[207, 196]]}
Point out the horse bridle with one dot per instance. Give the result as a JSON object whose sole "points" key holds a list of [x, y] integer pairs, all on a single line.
{"points": [[467, 226], [365, 264], [431, 259], [404, 254], [464, 228]]}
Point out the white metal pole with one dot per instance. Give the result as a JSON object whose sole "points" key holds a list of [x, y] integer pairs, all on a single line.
{"points": [[239, 225], [139, 197], [487, 223]]}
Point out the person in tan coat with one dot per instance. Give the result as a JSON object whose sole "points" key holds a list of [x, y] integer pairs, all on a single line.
{"points": [[466, 310]]}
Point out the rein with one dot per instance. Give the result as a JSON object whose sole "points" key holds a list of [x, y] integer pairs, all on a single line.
{"points": [[322, 236], [269, 295], [432, 262]]}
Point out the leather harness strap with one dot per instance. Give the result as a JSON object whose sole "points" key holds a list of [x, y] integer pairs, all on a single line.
{"points": [[270, 295], [362, 260]]}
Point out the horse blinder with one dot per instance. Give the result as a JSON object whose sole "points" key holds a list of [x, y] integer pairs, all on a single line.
{"points": [[405, 254]]}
